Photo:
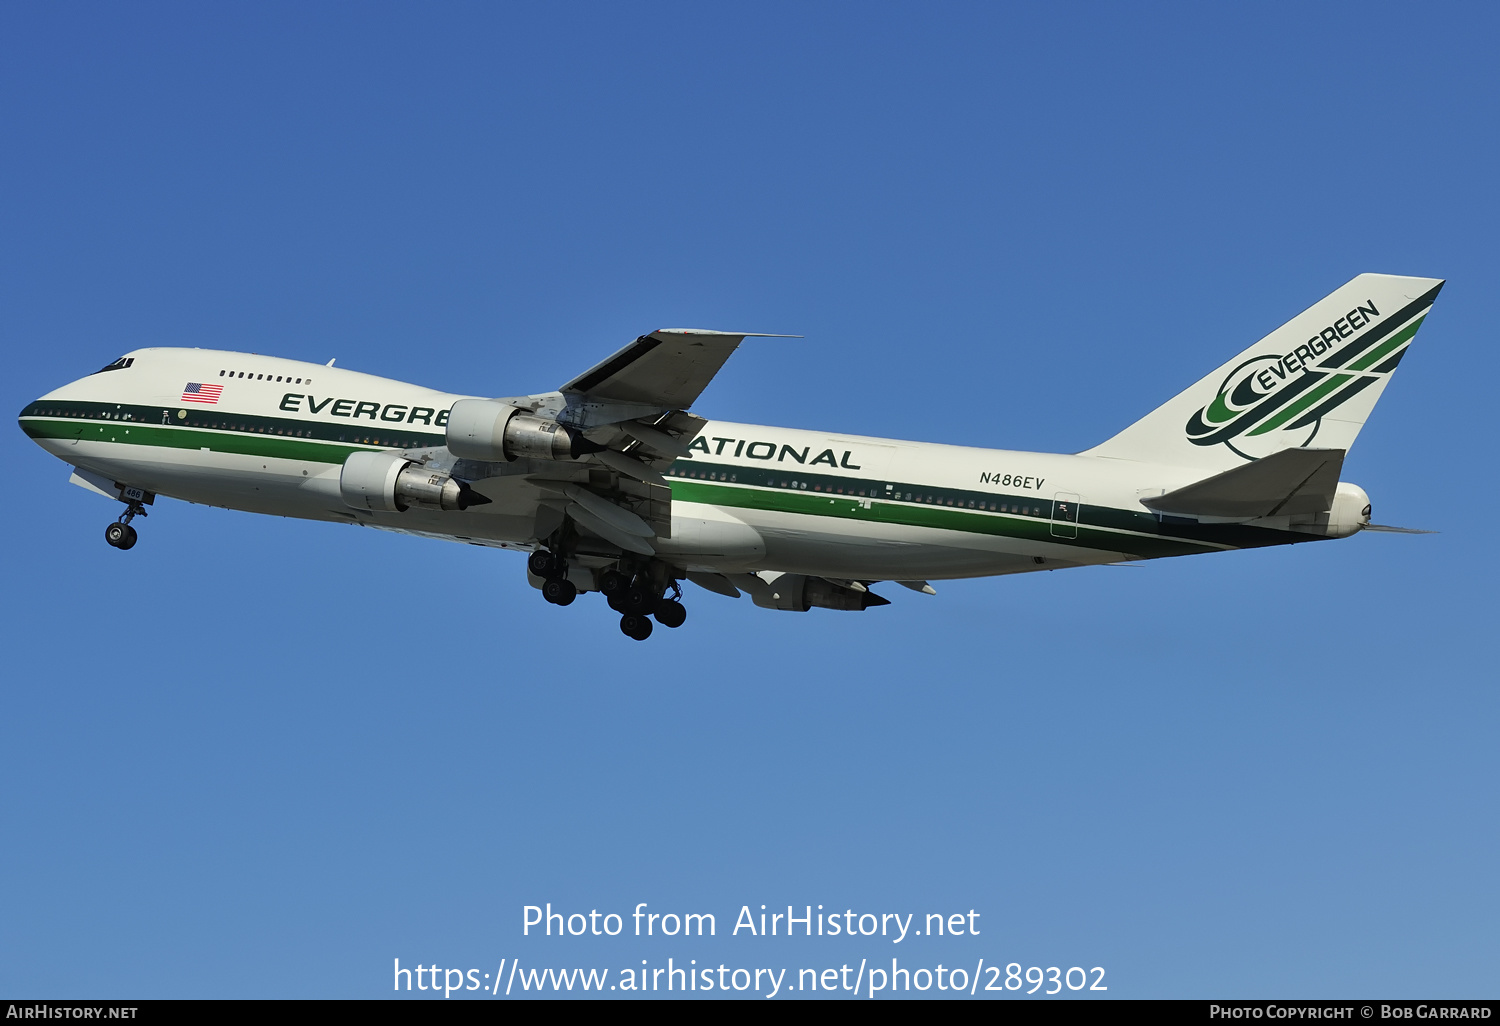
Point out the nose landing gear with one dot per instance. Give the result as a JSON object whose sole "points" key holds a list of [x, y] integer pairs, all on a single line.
{"points": [[120, 534]]}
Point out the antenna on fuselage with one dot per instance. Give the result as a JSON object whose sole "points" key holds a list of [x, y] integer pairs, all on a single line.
{"points": [[330, 362]]}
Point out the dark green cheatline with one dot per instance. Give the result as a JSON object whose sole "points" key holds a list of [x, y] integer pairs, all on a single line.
{"points": [[218, 430], [957, 509], [857, 499]]}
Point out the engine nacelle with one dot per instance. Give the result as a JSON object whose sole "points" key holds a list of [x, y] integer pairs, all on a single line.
{"points": [[1350, 514], [387, 482], [798, 593], [479, 429]]}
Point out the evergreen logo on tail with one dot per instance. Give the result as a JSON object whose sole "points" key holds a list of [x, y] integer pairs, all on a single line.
{"points": [[1273, 402], [1312, 382]]}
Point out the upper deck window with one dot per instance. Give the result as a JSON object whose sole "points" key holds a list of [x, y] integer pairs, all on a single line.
{"points": [[120, 364]]}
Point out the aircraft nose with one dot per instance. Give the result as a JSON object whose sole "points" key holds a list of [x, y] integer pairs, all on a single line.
{"points": [[42, 418], [30, 419]]}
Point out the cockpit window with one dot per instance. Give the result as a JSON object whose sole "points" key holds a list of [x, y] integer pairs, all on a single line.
{"points": [[120, 364]]}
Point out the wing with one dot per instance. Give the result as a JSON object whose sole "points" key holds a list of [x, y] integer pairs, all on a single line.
{"points": [[628, 420], [633, 407], [668, 368]]}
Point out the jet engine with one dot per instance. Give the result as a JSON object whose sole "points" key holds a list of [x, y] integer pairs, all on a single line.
{"points": [[479, 429], [387, 482]]}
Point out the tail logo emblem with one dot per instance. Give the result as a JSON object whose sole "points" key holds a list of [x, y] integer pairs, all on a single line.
{"points": [[1269, 402]]}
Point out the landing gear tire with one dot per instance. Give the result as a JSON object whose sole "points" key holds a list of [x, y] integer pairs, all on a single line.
{"points": [[559, 591], [635, 625], [121, 536], [616, 589], [670, 613], [544, 564], [637, 600]]}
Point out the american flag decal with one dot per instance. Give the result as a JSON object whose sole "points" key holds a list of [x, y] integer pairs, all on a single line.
{"points": [[201, 393]]}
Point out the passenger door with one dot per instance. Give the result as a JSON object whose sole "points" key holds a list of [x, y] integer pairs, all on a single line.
{"points": [[1065, 507]]}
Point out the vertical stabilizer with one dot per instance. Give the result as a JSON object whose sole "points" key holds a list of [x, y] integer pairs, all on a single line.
{"points": [[1310, 383]]}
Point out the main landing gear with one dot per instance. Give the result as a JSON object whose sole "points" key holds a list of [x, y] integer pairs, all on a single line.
{"points": [[120, 534], [637, 596], [556, 588]]}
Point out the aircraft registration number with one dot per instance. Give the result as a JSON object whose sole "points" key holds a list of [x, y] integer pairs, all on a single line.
{"points": [[1012, 480]]}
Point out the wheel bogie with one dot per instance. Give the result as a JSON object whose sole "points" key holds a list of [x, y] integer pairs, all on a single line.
{"points": [[635, 593]]}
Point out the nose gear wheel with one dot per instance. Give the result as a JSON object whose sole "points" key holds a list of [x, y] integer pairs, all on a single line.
{"points": [[120, 534]]}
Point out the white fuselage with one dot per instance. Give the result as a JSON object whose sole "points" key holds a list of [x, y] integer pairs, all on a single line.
{"points": [[749, 497]]}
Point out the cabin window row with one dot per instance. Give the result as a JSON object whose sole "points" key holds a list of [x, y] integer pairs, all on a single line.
{"points": [[870, 491], [262, 429], [90, 415], [993, 507], [287, 379], [228, 425]]}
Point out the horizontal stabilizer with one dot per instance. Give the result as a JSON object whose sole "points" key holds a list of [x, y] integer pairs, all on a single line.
{"points": [[1289, 482]]}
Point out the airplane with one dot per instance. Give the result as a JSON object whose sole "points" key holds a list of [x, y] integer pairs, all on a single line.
{"points": [[609, 484]]}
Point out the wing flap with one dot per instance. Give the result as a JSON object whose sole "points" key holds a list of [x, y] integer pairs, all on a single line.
{"points": [[608, 531]]}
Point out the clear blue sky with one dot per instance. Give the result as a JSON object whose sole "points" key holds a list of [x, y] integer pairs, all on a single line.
{"points": [[259, 757]]}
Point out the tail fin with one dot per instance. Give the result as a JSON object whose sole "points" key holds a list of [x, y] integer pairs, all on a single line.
{"points": [[1311, 382]]}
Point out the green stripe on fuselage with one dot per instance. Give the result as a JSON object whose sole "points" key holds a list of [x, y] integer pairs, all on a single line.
{"points": [[223, 430], [245, 444], [937, 517], [954, 509], [777, 489]]}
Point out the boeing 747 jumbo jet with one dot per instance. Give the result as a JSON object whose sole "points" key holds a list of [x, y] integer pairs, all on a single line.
{"points": [[611, 485]]}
